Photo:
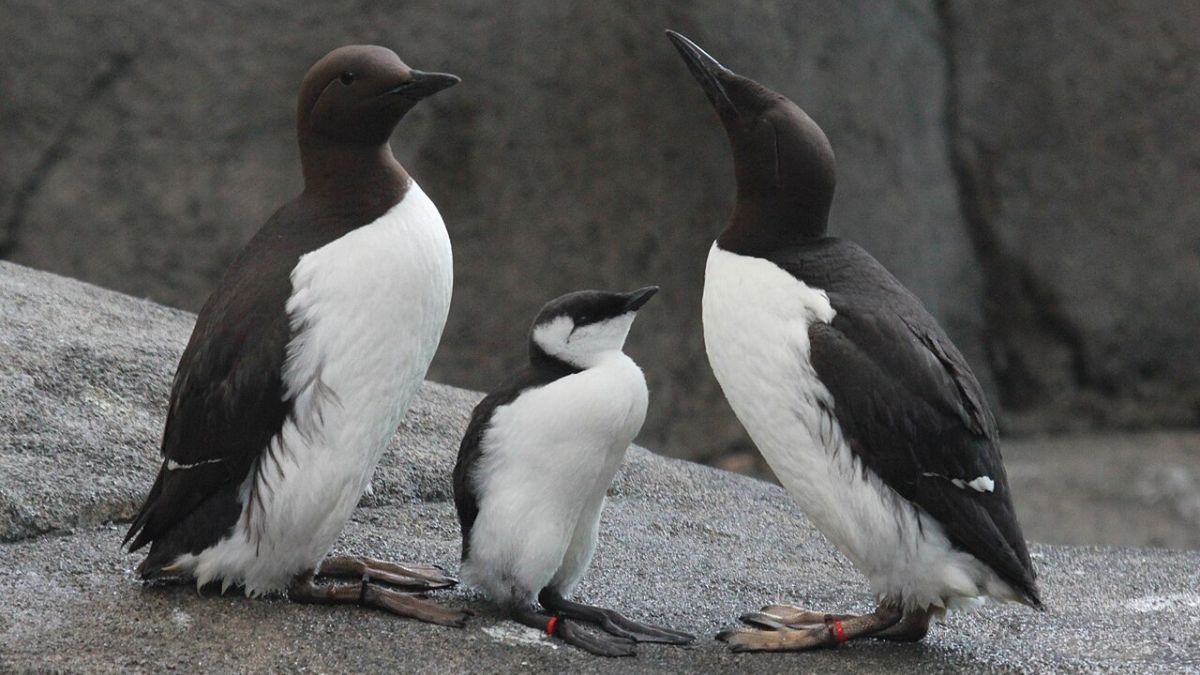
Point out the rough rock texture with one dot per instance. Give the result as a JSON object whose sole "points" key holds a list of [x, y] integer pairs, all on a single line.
{"points": [[82, 390], [1074, 141], [1028, 168], [1135, 489], [84, 378], [72, 603], [577, 152]]}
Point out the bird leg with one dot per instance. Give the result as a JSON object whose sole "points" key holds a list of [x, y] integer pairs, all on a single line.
{"points": [[912, 628], [408, 576], [303, 590], [809, 636], [554, 626], [611, 621]]}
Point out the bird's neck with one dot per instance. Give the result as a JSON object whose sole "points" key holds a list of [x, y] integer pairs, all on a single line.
{"points": [[761, 226], [542, 360], [363, 171]]}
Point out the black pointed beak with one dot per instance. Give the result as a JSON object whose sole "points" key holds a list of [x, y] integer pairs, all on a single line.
{"points": [[635, 299], [708, 72], [423, 85]]}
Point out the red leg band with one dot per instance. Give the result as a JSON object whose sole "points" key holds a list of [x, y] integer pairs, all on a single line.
{"points": [[839, 633], [551, 625]]}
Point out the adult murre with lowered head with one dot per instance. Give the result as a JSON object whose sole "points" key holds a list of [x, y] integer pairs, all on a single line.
{"points": [[304, 360], [867, 413], [536, 461]]}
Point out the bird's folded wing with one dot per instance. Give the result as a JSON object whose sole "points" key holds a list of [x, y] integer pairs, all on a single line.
{"points": [[466, 501], [914, 415], [227, 403]]}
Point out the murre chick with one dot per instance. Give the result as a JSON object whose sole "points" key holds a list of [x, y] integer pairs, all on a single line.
{"points": [[305, 358], [536, 460], [867, 413]]}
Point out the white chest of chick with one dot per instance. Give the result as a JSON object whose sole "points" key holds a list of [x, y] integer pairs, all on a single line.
{"points": [[547, 461]]}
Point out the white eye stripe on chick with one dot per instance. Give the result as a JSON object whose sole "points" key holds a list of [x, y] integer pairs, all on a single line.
{"points": [[582, 346]]}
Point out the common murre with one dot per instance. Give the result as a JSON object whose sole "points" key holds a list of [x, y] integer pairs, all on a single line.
{"points": [[535, 463], [865, 410], [305, 358]]}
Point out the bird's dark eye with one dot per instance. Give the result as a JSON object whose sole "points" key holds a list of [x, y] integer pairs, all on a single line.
{"points": [[347, 78]]}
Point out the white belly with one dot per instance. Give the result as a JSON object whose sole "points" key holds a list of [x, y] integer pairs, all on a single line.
{"points": [[367, 312], [548, 459], [756, 319]]}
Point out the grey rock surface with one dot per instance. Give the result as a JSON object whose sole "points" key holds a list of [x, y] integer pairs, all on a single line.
{"points": [[84, 377], [1138, 489], [1074, 141], [578, 152], [81, 398], [681, 544]]}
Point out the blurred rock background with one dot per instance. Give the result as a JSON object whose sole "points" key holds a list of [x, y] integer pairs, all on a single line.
{"points": [[1030, 169]]}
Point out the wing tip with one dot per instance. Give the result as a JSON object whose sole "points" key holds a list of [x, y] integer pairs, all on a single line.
{"points": [[1032, 596], [1025, 587], [138, 528], [136, 533]]}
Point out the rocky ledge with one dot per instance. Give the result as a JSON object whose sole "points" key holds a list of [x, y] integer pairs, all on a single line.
{"points": [[84, 376]]}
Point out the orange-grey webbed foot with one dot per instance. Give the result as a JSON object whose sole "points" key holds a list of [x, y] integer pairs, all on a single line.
{"points": [[809, 636], [304, 590], [775, 617], [406, 576], [611, 621], [597, 644]]}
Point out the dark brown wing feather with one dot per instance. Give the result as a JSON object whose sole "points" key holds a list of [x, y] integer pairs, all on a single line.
{"points": [[909, 406], [226, 401]]}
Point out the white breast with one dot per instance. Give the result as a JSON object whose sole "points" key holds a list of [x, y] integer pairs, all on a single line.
{"points": [[756, 318], [548, 459], [367, 311]]}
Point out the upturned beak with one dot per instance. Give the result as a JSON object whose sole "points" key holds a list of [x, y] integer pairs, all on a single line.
{"points": [[635, 299], [423, 85], [708, 72]]}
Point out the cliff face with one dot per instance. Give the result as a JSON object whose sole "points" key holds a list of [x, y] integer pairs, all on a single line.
{"points": [[1028, 169]]}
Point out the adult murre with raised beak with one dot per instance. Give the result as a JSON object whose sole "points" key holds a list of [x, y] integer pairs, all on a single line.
{"points": [[536, 461], [867, 413], [305, 358]]}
